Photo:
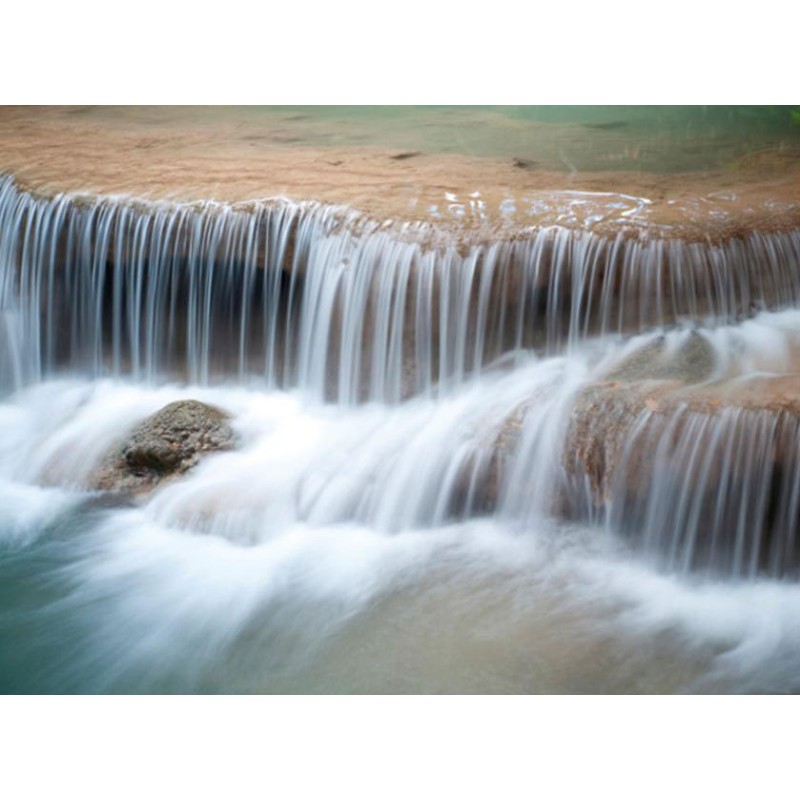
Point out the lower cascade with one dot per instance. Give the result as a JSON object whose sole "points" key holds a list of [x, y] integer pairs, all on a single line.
{"points": [[280, 447]]}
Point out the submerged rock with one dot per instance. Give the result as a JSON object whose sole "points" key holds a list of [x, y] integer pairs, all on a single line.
{"points": [[693, 361], [476, 488], [654, 379], [164, 445]]}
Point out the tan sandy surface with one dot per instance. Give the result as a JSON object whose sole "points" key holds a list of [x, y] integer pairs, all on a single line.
{"points": [[191, 154]]}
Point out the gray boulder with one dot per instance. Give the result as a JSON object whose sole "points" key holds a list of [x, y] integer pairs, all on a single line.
{"points": [[163, 446]]}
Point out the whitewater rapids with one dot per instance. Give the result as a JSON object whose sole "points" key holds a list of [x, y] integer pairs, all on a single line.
{"points": [[301, 563]]}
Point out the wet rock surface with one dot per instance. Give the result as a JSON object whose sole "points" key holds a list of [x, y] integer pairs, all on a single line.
{"points": [[653, 379], [692, 459], [477, 487], [703, 475], [164, 446], [692, 362], [616, 422]]}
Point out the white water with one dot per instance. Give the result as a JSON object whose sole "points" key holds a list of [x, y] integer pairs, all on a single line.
{"points": [[301, 562], [348, 546], [317, 297]]}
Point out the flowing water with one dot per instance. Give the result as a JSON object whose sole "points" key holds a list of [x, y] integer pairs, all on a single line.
{"points": [[400, 512]]}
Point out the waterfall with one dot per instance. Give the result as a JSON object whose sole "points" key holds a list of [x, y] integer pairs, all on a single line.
{"points": [[713, 493], [724, 495], [485, 438], [319, 298], [300, 294]]}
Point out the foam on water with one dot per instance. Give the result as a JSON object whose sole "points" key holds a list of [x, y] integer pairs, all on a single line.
{"points": [[297, 568]]}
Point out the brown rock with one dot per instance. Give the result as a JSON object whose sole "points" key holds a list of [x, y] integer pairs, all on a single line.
{"points": [[164, 446], [601, 431]]}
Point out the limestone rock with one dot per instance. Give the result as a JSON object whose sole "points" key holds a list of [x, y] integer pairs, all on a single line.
{"points": [[607, 425], [164, 445], [692, 362]]}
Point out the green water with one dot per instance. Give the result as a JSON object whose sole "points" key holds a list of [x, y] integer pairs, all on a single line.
{"points": [[661, 139], [652, 138]]}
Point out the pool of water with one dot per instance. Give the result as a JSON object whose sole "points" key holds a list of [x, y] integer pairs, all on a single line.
{"points": [[584, 138]]}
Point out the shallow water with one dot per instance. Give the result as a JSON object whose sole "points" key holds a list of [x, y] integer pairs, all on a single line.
{"points": [[703, 169], [566, 138]]}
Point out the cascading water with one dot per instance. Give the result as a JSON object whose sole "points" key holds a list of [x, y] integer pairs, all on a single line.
{"points": [[421, 497], [316, 297]]}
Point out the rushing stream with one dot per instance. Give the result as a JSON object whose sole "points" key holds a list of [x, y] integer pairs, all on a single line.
{"points": [[347, 543]]}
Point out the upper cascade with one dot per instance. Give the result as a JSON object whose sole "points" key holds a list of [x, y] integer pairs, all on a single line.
{"points": [[309, 295]]}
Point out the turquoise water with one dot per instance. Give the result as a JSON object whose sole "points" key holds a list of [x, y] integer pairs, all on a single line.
{"points": [[658, 138], [569, 138]]}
